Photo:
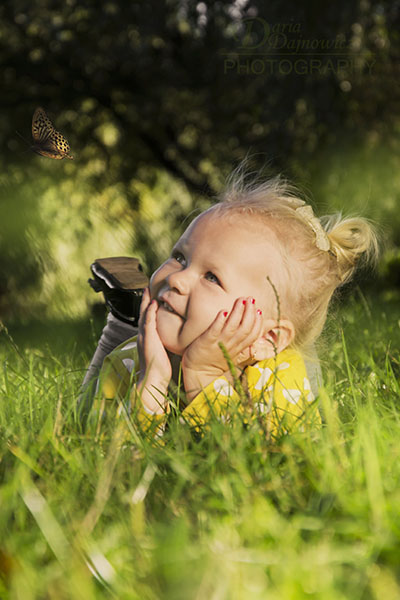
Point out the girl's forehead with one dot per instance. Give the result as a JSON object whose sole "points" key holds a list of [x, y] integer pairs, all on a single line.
{"points": [[213, 222]]}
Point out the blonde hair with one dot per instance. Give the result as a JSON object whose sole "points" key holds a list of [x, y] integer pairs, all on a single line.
{"points": [[311, 274]]}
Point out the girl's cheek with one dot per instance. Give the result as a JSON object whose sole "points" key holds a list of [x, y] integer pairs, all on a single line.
{"points": [[155, 282]]}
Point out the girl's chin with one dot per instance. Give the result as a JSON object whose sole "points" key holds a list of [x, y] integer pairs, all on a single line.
{"points": [[168, 337], [171, 347]]}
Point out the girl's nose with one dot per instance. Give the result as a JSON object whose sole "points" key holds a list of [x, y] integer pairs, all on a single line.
{"points": [[180, 281]]}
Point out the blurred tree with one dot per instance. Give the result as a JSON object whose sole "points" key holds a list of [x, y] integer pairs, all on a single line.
{"points": [[185, 85], [190, 87]]}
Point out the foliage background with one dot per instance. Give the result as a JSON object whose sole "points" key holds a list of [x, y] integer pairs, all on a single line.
{"points": [[159, 100]]}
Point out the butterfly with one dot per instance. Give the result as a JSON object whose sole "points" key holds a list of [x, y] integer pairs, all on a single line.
{"points": [[47, 141]]}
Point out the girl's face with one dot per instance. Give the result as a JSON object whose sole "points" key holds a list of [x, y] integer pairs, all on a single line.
{"points": [[217, 260]]}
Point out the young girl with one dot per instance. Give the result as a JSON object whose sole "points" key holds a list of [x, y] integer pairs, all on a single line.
{"points": [[251, 278]]}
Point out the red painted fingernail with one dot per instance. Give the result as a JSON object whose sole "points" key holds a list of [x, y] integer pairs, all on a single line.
{"points": [[225, 314], [244, 301], [259, 312], [253, 301]]}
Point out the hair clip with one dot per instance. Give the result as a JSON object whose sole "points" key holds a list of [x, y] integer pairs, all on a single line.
{"points": [[321, 238], [294, 202]]}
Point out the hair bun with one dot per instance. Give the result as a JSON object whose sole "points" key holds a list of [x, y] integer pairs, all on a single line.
{"points": [[353, 240]]}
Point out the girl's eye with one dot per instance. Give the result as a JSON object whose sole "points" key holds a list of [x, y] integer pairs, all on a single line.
{"points": [[178, 256], [213, 278]]}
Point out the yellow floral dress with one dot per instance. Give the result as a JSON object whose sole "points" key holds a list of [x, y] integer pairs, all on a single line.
{"points": [[276, 390]]}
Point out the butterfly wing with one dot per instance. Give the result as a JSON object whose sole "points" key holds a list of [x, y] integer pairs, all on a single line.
{"points": [[42, 127], [48, 141], [60, 144], [47, 150]]}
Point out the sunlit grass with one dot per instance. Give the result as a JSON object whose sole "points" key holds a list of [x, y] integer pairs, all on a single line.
{"points": [[227, 516]]}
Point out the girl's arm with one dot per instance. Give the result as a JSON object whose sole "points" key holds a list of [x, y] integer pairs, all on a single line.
{"points": [[155, 366]]}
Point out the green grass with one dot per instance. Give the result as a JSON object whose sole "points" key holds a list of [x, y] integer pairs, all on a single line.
{"points": [[224, 517]]}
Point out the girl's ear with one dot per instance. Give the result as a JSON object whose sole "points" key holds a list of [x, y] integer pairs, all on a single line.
{"points": [[277, 336]]}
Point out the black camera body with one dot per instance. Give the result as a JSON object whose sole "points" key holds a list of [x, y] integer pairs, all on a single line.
{"points": [[122, 281]]}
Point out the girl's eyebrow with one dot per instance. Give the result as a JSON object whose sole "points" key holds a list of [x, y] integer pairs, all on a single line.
{"points": [[180, 245], [177, 246]]}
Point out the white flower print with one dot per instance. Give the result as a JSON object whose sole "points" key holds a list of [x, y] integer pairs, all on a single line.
{"points": [[129, 364], [265, 375], [292, 396], [283, 365], [222, 387], [307, 388]]}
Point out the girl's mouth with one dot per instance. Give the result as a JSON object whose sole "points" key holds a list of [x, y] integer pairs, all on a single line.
{"points": [[165, 306]]}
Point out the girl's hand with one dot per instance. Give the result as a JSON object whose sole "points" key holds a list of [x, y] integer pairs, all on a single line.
{"points": [[155, 366], [203, 361]]}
